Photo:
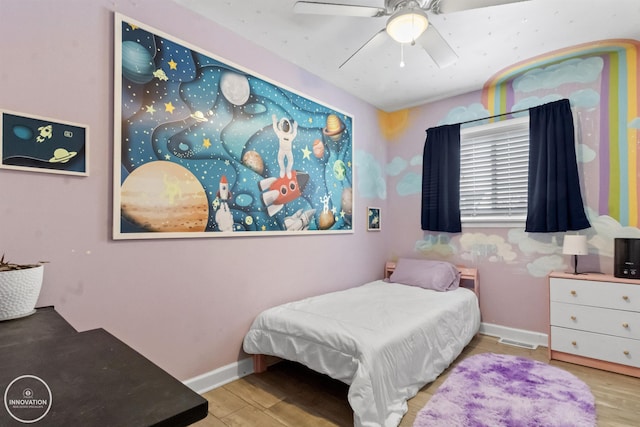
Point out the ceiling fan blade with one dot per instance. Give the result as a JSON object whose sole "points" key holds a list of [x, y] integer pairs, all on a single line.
{"points": [[374, 41], [437, 47], [450, 6], [308, 7]]}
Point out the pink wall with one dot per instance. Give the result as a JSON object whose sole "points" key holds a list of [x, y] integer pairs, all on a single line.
{"points": [[183, 303]]}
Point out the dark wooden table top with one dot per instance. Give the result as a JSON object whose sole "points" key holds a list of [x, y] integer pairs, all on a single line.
{"points": [[45, 323], [94, 378]]}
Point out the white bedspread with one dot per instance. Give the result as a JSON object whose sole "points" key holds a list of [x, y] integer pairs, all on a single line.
{"points": [[385, 340]]}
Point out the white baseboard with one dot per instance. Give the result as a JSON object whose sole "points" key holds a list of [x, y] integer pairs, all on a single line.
{"points": [[521, 335], [221, 376], [225, 374]]}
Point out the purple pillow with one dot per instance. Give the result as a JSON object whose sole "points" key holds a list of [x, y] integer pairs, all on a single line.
{"points": [[428, 274]]}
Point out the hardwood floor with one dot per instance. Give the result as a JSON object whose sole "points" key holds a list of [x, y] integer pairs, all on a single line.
{"points": [[291, 395]]}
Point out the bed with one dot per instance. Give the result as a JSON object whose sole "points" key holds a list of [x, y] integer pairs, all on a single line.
{"points": [[385, 339]]}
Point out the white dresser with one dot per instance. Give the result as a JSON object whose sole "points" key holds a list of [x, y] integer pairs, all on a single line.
{"points": [[594, 320]]}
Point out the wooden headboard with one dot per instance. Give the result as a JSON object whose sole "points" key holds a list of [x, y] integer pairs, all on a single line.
{"points": [[466, 273]]}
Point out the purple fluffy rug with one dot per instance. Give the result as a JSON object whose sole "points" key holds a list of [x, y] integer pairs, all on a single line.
{"points": [[496, 390]]}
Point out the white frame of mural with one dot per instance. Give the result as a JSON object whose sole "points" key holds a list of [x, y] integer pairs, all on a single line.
{"points": [[374, 219], [166, 182], [42, 144]]}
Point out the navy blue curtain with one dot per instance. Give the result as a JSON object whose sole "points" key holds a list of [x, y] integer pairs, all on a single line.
{"points": [[441, 180], [554, 199]]}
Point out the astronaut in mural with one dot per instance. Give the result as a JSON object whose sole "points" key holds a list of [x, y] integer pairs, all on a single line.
{"points": [[286, 132], [224, 217]]}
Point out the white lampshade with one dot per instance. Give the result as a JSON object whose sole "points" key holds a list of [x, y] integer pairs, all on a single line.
{"points": [[406, 25], [575, 245]]}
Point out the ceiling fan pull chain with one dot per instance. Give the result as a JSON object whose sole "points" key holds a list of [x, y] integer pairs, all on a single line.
{"points": [[401, 55], [413, 29]]}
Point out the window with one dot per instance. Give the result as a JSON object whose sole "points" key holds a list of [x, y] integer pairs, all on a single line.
{"points": [[494, 163]]}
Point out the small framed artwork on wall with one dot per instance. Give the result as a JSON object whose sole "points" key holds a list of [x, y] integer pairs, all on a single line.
{"points": [[373, 219], [40, 144]]}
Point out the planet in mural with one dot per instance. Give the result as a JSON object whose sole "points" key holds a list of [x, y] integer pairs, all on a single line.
{"points": [[334, 127], [339, 170], [199, 116], [326, 220], [23, 132], [137, 64], [235, 87], [318, 148], [253, 161], [164, 196], [61, 155], [347, 200]]}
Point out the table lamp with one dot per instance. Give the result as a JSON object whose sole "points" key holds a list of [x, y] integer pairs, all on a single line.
{"points": [[575, 245]]}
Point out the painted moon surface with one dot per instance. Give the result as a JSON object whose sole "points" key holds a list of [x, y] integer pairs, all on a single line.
{"points": [[235, 88], [166, 197]]}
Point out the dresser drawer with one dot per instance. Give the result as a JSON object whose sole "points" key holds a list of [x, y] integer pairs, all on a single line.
{"points": [[596, 346], [620, 323], [619, 296]]}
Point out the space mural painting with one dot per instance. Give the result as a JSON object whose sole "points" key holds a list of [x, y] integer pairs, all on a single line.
{"points": [[205, 149]]}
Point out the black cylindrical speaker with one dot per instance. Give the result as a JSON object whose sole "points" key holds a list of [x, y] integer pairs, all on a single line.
{"points": [[626, 258]]}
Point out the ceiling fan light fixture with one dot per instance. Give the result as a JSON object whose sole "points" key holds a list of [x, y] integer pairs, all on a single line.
{"points": [[406, 25]]}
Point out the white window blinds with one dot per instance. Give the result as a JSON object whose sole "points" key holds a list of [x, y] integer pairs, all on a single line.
{"points": [[494, 163]]}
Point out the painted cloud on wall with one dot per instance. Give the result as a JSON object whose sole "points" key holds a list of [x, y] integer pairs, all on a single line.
{"points": [[371, 181], [535, 243], [491, 247], [550, 245], [584, 154], [605, 229], [436, 245], [411, 182], [542, 266], [461, 114], [584, 98], [480, 247], [472, 247], [396, 166], [477, 247], [576, 70]]}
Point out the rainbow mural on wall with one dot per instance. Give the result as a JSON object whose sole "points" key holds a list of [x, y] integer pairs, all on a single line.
{"points": [[618, 155]]}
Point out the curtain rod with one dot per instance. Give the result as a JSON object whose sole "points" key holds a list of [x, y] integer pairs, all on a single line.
{"points": [[493, 117]]}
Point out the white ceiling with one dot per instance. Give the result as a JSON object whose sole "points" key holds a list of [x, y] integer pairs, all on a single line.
{"points": [[486, 40]]}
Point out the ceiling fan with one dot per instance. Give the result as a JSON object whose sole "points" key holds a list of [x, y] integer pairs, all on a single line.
{"points": [[408, 22]]}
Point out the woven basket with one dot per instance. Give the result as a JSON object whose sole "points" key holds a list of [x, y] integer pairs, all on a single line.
{"points": [[19, 292]]}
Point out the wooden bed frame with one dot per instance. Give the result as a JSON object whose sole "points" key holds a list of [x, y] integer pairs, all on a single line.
{"points": [[261, 361]]}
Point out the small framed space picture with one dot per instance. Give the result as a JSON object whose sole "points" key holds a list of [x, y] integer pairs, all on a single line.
{"points": [[40, 144], [373, 219]]}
